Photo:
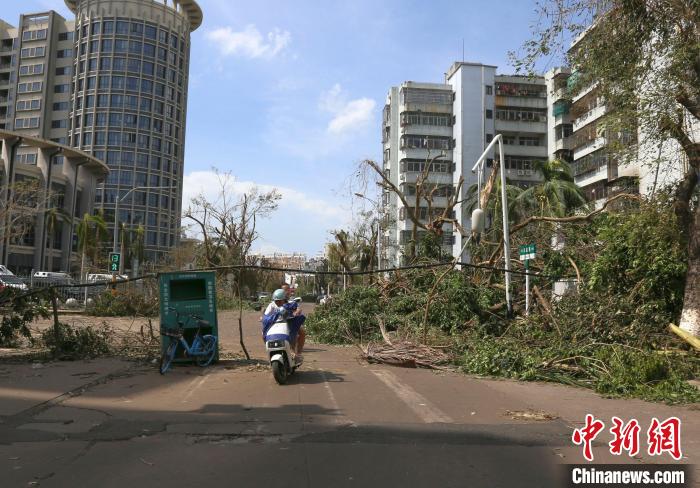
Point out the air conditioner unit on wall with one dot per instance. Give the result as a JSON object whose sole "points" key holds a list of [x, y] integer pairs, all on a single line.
{"points": [[402, 177]]}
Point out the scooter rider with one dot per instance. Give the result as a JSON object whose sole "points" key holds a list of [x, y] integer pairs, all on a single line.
{"points": [[280, 305]]}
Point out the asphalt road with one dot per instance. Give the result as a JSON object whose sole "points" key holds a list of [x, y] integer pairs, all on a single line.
{"points": [[338, 422]]}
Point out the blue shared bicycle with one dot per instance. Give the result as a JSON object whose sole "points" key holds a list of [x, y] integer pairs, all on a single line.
{"points": [[203, 347]]}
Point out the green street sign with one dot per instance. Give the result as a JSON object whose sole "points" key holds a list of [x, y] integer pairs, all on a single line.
{"points": [[114, 262], [527, 251]]}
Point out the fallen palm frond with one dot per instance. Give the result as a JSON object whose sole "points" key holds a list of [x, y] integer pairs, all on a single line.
{"points": [[406, 354]]}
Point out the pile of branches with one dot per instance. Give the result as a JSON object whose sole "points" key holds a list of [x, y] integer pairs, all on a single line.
{"points": [[404, 353]]}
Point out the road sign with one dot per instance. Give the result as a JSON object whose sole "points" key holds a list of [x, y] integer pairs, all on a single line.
{"points": [[114, 261], [527, 251]]}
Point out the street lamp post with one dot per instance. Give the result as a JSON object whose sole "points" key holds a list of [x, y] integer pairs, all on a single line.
{"points": [[504, 204], [116, 217]]}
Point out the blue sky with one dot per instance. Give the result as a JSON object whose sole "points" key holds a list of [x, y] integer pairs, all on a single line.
{"points": [[289, 94]]}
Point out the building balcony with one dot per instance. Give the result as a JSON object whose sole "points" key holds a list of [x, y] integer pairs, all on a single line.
{"points": [[588, 117], [5, 66], [562, 144], [591, 177], [561, 93], [520, 126], [589, 147], [439, 178], [529, 102], [4, 83], [531, 151]]}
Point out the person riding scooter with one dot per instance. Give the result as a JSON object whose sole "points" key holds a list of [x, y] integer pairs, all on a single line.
{"points": [[282, 309]]}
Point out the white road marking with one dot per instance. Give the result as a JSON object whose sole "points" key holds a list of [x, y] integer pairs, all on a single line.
{"points": [[334, 402], [420, 405], [194, 387]]}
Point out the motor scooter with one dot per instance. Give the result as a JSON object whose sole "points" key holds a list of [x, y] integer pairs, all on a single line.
{"points": [[278, 343]]}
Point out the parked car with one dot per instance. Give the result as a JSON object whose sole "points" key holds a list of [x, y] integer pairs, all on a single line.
{"points": [[52, 278], [5, 271], [11, 281]]}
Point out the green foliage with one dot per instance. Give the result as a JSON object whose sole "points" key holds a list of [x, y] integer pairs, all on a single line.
{"points": [[123, 303], [78, 342], [641, 255], [611, 337], [353, 315], [348, 316], [18, 311]]}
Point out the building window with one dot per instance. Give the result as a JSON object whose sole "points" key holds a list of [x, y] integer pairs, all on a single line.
{"points": [[61, 88], [34, 86], [63, 71], [23, 105], [64, 53], [489, 114], [34, 35], [59, 124], [412, 95], [529, 141], [489, 137], [33, 52], [426, 118], [489, 89], [414, 141], [521, 114], [31, 69], [26, 158]]}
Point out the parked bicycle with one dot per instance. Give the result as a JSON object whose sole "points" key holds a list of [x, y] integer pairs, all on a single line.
{"points": [[203, 347]]}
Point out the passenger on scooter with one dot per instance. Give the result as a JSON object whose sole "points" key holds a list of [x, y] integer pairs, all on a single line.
{"points": [[280, 305]]}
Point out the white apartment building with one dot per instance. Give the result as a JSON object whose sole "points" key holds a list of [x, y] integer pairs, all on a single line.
{"points": [[450, 124], [577, 134]]}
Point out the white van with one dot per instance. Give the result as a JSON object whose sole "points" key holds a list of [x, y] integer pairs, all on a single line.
{"points": [[52, 277], [103, 277]]}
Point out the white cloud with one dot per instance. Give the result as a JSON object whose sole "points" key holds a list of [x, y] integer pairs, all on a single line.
{"points": [[347, 114], [249, 42], [207, 183], [300, 224]]}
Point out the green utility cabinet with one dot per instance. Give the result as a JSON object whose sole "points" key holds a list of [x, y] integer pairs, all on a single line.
{"points": [[188, 293]]}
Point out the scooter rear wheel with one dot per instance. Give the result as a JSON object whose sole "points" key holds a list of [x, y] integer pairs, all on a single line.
{"points": [[279, 372]]}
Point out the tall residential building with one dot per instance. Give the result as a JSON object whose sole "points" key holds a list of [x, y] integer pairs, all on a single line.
{"points": [[578, 133], [113, 83], [35, 66], [456, 120], [129, 106]]}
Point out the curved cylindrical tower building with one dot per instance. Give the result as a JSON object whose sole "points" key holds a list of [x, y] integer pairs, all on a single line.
{"points": [[129, 107]]}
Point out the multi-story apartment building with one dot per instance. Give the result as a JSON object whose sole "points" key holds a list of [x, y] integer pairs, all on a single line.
{"points": [[559, 126], [448, 125], [578, 133], [113, 83], [35, 65]]}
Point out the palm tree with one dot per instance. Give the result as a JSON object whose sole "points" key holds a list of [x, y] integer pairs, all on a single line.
{"points": [[92, 230], [52, 221], [556, 195]]}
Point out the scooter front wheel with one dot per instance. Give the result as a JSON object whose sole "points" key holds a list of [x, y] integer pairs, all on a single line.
{"points": [[279, 372]]}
